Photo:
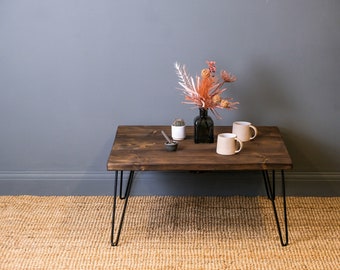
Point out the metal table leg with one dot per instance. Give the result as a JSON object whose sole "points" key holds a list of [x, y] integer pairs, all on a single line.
{"points": [[122, 197], [270, 189]]}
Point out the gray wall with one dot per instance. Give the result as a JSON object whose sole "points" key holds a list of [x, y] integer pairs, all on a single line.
{"points": [[71, 71]]}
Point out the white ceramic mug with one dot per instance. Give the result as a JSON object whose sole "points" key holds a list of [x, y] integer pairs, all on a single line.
{"points": [[227, 144], [245, 131]]}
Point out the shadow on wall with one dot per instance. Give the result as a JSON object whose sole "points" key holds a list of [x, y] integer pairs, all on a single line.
{"points": [[264, 98], [269, 98], [308, 153]]}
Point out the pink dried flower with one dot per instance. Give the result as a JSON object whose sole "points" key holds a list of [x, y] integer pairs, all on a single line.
{"points": [[205, 91], [228, 77], [212, 66]]}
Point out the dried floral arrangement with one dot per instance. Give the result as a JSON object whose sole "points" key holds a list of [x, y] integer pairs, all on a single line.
{"points": [[205, 92]]}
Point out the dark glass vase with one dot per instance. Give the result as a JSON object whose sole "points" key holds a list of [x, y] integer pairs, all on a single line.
{"points": [[203, 127]]}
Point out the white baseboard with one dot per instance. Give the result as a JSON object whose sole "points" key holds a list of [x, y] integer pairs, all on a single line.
{"points": [[166, 183]]}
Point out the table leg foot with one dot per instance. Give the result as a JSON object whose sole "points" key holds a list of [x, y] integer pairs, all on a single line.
{"points": [[114, 241], [270, 189]]}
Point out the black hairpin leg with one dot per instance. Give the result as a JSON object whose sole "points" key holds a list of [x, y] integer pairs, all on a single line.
{"points": [[122, 197], [270, 189]]}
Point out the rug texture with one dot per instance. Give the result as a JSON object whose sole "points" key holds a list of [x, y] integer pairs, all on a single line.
{"points": [[167, 233]]}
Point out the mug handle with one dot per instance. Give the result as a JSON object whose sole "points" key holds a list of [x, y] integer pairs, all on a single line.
{"points": [[255, 132], [240, 145]]}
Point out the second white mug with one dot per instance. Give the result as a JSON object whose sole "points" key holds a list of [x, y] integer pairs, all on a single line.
{"points": [[227, 144], [245, 131]]}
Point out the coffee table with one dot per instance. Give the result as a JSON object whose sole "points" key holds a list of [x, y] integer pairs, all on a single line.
{"points": [[141, 148]]}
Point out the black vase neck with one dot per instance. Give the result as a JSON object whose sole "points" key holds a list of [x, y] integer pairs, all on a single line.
{"points": [[203, 112]]}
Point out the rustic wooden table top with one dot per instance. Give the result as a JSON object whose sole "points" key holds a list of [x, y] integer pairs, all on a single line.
{"points": [[141, 148]]}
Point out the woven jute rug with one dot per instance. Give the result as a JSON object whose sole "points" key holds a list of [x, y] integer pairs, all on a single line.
{"points": [[167, 233]]}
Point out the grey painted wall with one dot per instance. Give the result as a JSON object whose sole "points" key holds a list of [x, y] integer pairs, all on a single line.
{"points": [[71, 71]]}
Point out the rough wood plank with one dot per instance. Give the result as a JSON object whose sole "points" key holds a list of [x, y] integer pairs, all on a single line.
{"points": [[142, 148]]}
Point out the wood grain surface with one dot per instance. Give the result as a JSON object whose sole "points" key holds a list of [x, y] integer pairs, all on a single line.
{"points": [[141, 148]]}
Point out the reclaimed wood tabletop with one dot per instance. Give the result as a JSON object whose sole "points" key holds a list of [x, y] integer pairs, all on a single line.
{"points": [[141, 148]]}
